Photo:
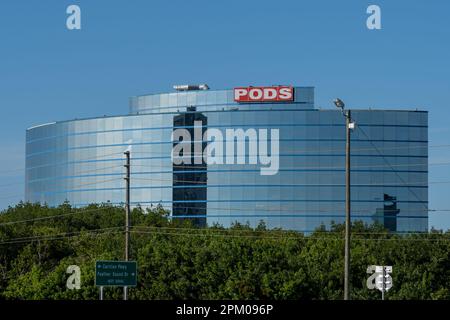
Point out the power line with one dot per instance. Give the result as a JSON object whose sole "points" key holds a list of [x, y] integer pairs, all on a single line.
{"points": [[184, 207], [170, 164], [315, 149], [80, 185], [324, 185], [206, 168], [275, 231], [12, 184], [92, 158], [289, 168], [61, 237], [265, 209], [205, 235], [303, 151], [12, 196], [99, 169], [80, 211], [43, 237], [409, 189], [293, 212]]}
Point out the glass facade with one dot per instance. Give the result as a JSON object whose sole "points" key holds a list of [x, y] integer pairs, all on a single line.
{"points": [[82, 161]]}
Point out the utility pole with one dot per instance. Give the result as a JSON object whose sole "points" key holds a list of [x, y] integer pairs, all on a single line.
{"points": [[127, 215], [348, 124]]}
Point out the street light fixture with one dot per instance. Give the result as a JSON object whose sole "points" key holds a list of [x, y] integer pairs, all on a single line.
{"points": [[339, 103], [349, 125]]}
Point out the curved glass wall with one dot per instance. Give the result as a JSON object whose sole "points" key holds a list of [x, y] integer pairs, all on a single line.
{"points": [[82, 161]]}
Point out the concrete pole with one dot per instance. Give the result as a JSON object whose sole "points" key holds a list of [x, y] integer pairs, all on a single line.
{"points": [[347, 210]]}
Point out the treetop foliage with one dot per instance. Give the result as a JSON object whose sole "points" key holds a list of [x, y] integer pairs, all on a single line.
{"points": [[177, 260]]}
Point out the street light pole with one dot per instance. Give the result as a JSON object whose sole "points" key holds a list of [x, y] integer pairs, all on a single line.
{"points": [[349, 125], [347, 208], [127, 215]]}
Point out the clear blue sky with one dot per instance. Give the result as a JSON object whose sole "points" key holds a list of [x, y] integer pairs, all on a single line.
{"points": [[126, 48]]}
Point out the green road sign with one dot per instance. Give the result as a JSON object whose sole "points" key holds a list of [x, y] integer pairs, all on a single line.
{"points": [[115, 273]]}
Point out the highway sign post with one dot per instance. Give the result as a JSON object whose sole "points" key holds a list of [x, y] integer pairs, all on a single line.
{"points": [[115, 274]]}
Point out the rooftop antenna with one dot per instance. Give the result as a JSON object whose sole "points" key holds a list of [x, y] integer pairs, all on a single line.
{"points": [[191, 87]]}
